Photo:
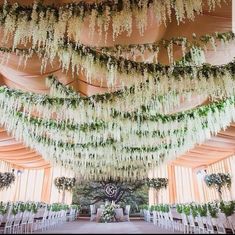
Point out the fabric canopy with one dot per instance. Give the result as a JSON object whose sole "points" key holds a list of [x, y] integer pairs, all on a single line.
{"points": [[18, 155], [213, 150], [29, 78]]}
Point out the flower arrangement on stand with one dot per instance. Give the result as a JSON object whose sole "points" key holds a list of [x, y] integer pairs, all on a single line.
{"points": [[108, 214], [157, 184], [65, 184], [6, 179], [218, 181]]}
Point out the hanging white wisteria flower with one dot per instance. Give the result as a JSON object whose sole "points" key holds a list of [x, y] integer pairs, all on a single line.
{"points": [[42, 23], [114, 66], [215, 81], [90, 157], [59, 90]]}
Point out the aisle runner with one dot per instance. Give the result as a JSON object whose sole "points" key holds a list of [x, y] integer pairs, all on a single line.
{"points": [[81, 226]]}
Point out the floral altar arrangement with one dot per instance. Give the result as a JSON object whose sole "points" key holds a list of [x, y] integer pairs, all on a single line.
{"points": [[6, 179], [65, 183], [108, 214], [218, 180]]}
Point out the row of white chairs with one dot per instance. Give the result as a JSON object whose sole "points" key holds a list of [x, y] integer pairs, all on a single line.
{"points": [[162, 219], [28, 222], [189, 224]]}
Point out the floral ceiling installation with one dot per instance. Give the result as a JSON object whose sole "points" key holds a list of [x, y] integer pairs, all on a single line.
{"points": [[133, 127], [111, 67], [25, 22], [103, 146]]}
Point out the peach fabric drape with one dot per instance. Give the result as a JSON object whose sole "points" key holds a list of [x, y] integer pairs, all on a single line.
{"points": [[189, 186], [28, 185], [224, 166], [35, 185], [184, 187], [162, 196], [56, 196]]}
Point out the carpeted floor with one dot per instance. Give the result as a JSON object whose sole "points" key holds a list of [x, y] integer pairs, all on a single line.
{"points": [[85, 226]]}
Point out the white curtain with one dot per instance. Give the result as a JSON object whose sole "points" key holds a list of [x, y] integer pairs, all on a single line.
{"points": [[35, 185]]}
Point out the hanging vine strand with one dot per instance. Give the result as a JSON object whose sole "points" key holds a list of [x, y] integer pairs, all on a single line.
{"points": [[41, 23]]}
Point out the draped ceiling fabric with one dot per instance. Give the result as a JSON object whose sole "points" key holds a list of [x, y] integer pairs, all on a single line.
{"points": [[29, 78]]}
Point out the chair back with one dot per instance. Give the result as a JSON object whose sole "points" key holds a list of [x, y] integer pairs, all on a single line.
{"points": [[93, 209], [25, 217], [191, 220], [184, 219], [127, 209], [18, 219], [200, 222], [1, 219], [209, 224], [231, 221]]}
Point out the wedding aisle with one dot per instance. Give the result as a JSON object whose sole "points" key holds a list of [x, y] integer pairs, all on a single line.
{"points": [[87, 227]]}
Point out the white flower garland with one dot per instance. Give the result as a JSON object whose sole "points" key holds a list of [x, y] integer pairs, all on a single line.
{"points": [[87, 110], [35, 23], [89, 159], [102, 62]]}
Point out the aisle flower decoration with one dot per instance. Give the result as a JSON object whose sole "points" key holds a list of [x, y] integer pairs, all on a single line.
{"points": [[218, 181], [65, 183], [25, 22], [6, 179]]}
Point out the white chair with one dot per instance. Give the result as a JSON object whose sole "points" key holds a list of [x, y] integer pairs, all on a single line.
{"points": [[145, 214], [148, 216], [209, 224], [219, 224], [161, 219], [16, 224], [9, 224], [127, 212], [231, 221], [42, 224], [173, 223], [192, 226], [155, 218], [24, 222], [167, 222], [30, 224], [185, 223], [201, 227], [93, 212], [71, 216], [1, 220]]}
